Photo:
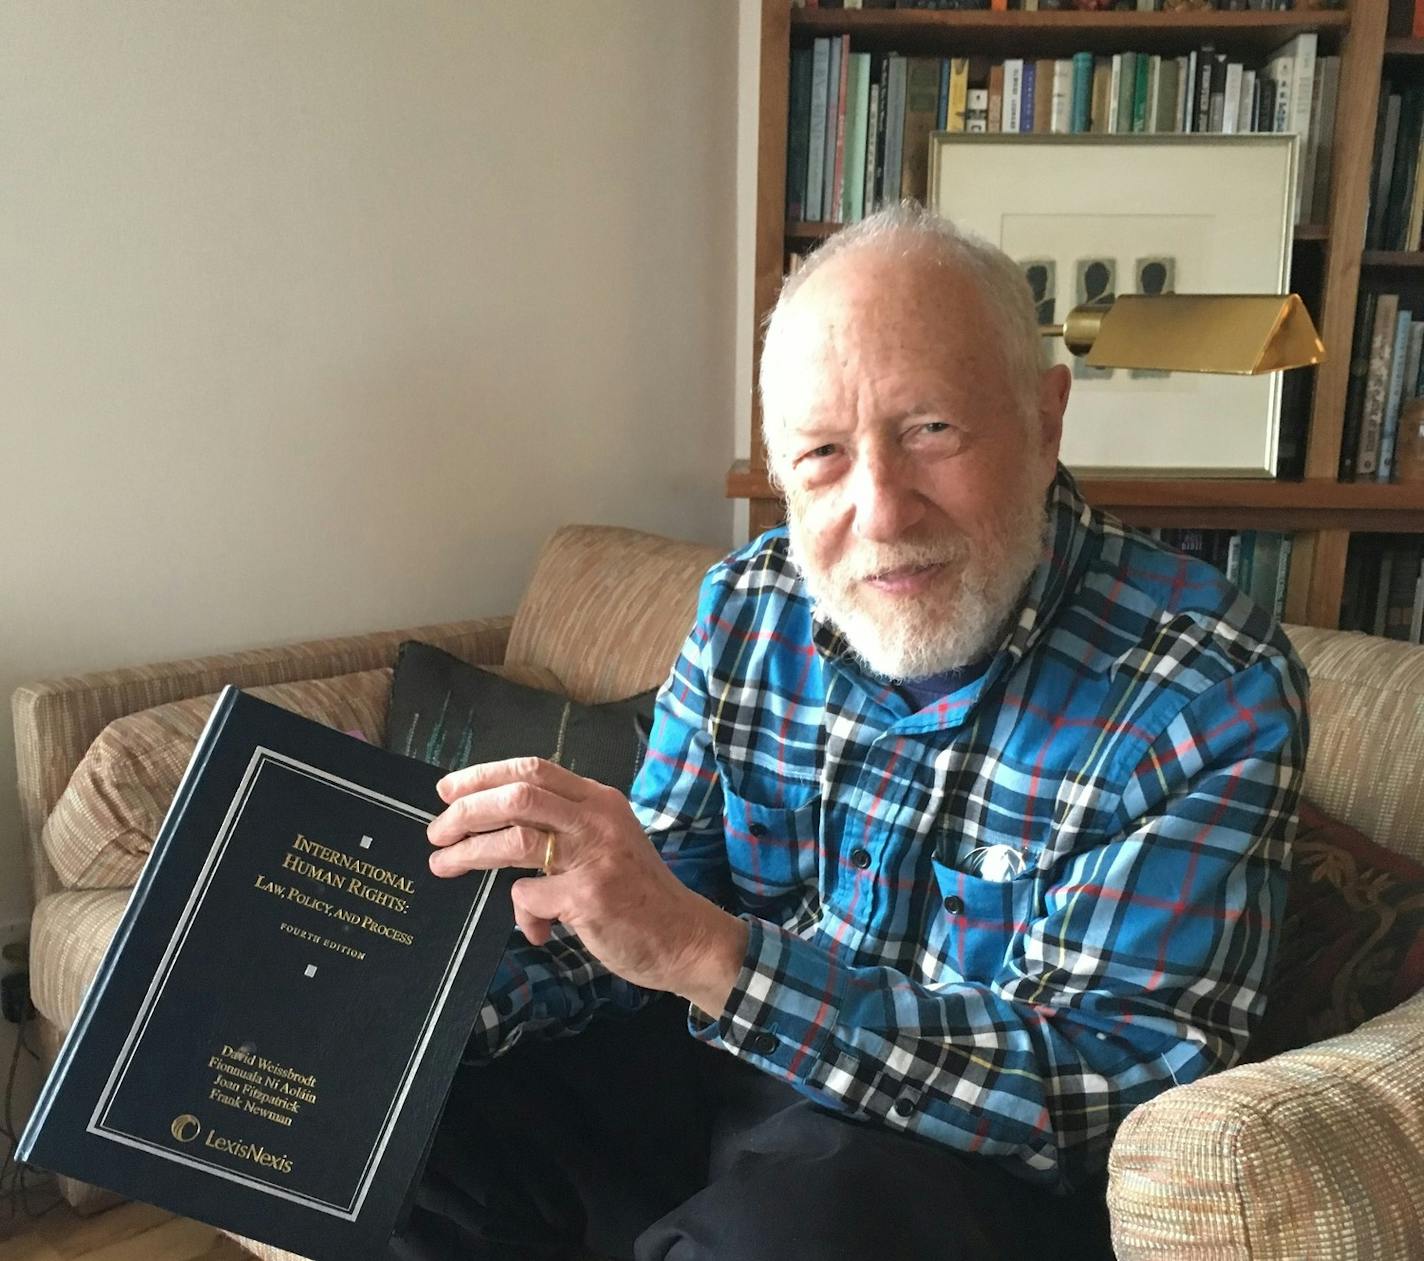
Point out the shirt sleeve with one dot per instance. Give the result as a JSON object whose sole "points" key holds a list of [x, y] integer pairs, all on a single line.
{"points": [[556, 989], [1141, 964]]}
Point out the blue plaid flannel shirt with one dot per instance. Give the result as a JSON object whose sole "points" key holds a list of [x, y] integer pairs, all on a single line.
{"points": [[1138, 740]]}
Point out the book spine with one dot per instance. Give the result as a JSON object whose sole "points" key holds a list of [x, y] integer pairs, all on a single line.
{"points": [[162, 842], [1374, 233], [816, 140], [830, 200], [1139, 92], [1114, 91], [857, 126], [1082, 119], [1377, 384], [799, 135], [1233, 560], [867, 204], [1302, 88], [1246, 119], [1060, 109], [921, 101], [996, 97], [1180, 122], [1217, 94], [1231, 108], [1027, 103], [1205, 62], [942, 106], [1396, 394], [894, 130], [958, 94], [1246, 560], [1355, 391], [1278, 605], [976, 116], [1416, 613], [877, 189], [1043, 73], [1126, 87], [1013, 93]]}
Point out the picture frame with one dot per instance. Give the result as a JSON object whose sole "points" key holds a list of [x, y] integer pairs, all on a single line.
{"points": [[1090, 216]]}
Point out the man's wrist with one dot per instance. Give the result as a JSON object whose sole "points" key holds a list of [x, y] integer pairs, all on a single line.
{"points": [[713, 966]]}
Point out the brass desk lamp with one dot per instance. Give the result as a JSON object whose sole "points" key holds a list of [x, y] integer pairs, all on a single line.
{"points": [[1242, 334]]}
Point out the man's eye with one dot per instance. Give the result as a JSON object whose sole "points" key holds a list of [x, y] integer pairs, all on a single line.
{"points": [[821, 452]]}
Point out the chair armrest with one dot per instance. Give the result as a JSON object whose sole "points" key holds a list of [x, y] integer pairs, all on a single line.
{"points": [[56, 720], [1315, 1152]]}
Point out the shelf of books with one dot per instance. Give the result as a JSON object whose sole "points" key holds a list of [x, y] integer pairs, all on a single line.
{"points": [[848, 90]]}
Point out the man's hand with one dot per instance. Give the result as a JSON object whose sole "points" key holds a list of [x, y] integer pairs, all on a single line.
{"points": [[608, 882]]}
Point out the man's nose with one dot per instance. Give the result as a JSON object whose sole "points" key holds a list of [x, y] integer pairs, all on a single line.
{"points": [[886, 500]]}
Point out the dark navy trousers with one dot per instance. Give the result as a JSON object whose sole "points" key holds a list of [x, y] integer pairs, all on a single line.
{"points": [[633, 1140]]}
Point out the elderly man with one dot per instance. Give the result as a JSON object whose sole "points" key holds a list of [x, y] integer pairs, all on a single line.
{"points": [[968, 811]]}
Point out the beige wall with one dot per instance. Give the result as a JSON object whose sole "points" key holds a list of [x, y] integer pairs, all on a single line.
{"points": [[318, 317]]}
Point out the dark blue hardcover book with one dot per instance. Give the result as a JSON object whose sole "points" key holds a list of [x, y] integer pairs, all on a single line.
{"points": [[271, 1036]]}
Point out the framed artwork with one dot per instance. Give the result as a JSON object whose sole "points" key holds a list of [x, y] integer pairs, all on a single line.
{"points": [[1089, 217]]}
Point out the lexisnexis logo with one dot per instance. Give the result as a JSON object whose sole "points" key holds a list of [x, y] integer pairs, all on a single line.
{"points": [[187, 1127]]}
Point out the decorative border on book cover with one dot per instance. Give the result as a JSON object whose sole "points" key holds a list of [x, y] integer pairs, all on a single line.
{"points": [[263, 758]]}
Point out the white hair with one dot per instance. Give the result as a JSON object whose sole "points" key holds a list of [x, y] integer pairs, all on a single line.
{"points": [[909, 230]]}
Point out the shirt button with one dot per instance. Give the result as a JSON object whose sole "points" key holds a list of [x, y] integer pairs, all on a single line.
{"points": [[861, 858], [757, 829], [764, 1043], [953, 904], [903, 1107]]}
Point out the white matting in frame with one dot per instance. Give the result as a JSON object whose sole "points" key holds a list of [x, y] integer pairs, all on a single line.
{"points": [[1089, 216]]}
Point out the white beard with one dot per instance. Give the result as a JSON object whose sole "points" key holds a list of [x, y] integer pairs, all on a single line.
{"points": [[950, 626]]}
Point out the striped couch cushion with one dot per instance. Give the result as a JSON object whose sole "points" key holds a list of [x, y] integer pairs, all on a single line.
{"points": [[104, 824]]}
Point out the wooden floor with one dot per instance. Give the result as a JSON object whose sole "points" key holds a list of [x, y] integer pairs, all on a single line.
{"points": [[129, 1232]]}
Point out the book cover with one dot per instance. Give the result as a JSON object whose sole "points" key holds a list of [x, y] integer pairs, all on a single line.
{"points": [[271, 1035], [921, 103], [1377, 384], [798, 138]]}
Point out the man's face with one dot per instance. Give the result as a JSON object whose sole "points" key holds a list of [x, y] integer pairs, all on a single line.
{"points": [[915, 480]]}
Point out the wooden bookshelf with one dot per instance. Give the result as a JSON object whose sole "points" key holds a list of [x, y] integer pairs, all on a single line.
{"points": [[1322, 511]]}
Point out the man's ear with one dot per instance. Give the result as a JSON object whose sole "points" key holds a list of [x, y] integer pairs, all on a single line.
{"points": [[1053, 386]]}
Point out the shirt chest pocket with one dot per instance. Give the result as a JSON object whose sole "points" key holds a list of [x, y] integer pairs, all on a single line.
{"points": [[772, 849], [982, 919]]}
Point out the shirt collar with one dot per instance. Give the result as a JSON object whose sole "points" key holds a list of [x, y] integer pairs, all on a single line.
{"points": [[1071, 526]]}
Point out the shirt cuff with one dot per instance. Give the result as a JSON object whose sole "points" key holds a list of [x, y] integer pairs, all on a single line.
{"points": [[784, 1005]]}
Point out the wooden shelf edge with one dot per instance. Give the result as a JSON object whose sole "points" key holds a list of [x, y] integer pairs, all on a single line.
{"points": [[849, 21], [816, 230], [1215, 503]]}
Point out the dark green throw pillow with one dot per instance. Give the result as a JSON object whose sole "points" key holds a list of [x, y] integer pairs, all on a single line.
{"points": [[452, 714]]}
